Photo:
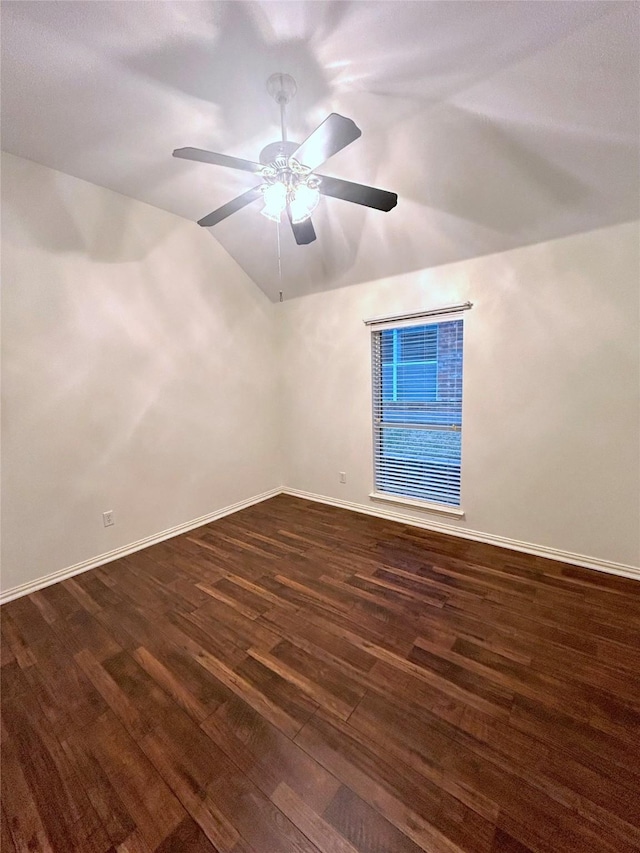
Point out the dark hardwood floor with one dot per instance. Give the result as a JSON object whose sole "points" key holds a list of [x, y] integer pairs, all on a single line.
{"points": [[300, 678]]}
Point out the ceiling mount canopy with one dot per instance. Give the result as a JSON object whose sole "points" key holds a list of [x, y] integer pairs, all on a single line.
{"points": [[289, 182], [282, 87]]}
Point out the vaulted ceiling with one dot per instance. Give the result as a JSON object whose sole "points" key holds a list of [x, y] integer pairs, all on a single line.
{"points": [[498, 124]]}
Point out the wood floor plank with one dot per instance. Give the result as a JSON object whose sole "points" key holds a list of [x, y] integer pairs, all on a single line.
{"points": [[424, 807], [221, 622], [312, 686], [100, 586], [172, 685], [67, 697], [102, 794], [258, 590], [177, 770], [6, 839], [198, 681], [17, 643], [53, 788], [88, 835], [81, 631], [49, 613], [152, 806], [24, 821], [365, 827], [317, 830], [57, 603], [267, 756], [254, 697], [297, 678], [258, 820], [229, 600], [116, 699], [309, 637], [187, 837], [81, 595]]}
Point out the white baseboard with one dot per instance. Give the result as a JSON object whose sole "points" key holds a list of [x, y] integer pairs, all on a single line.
{"points": [[489, 538], [437, 526], [94, 562]]}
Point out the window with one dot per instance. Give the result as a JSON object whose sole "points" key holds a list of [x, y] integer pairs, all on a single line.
{"points": [[417, 411]]}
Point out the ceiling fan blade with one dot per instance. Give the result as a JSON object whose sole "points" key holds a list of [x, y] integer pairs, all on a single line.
{"points": [[304, 232], [217, 159], [230, 207], [358, 193], [334, 134]]}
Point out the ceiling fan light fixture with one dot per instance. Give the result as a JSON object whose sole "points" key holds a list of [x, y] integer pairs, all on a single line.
{"points": [[275, 200], [304, 201], [288, 182]]}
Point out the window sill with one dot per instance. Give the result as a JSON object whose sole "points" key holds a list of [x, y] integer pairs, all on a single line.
{"points": [[441, 509]]}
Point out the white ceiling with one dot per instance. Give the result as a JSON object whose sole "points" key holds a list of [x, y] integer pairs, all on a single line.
{"points": [[497, 123]]}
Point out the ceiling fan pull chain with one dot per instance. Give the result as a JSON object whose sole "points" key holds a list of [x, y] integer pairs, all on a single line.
{"points": [[279, 259]]}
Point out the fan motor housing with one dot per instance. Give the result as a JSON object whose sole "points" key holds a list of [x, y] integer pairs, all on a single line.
{"points": [[277, 149]]}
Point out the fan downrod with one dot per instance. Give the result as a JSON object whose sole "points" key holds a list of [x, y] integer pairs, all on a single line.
{"points": [[282, 88]]}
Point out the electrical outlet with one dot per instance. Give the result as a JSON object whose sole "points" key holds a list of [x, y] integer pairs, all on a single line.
{"points": [[343, 476], [107, 518]]}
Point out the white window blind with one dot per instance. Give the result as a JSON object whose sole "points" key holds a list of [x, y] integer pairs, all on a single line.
{"points": [[417, 411]]}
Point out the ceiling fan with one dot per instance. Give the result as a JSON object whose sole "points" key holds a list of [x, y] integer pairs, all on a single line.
{"points": [[286, 168]]}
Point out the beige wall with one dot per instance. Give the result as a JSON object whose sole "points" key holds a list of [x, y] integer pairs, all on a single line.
{"points": [[138, 373], [144, 373], [551, 447]]}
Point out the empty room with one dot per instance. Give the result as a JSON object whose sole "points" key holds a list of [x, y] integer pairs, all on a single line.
{"points": [[320, 426]]}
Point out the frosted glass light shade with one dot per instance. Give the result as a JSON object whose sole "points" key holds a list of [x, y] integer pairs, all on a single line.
{"points": [[304, 202], [275, 201]]}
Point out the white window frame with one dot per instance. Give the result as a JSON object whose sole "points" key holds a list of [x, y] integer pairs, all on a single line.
{"points": [[439, 315]]}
